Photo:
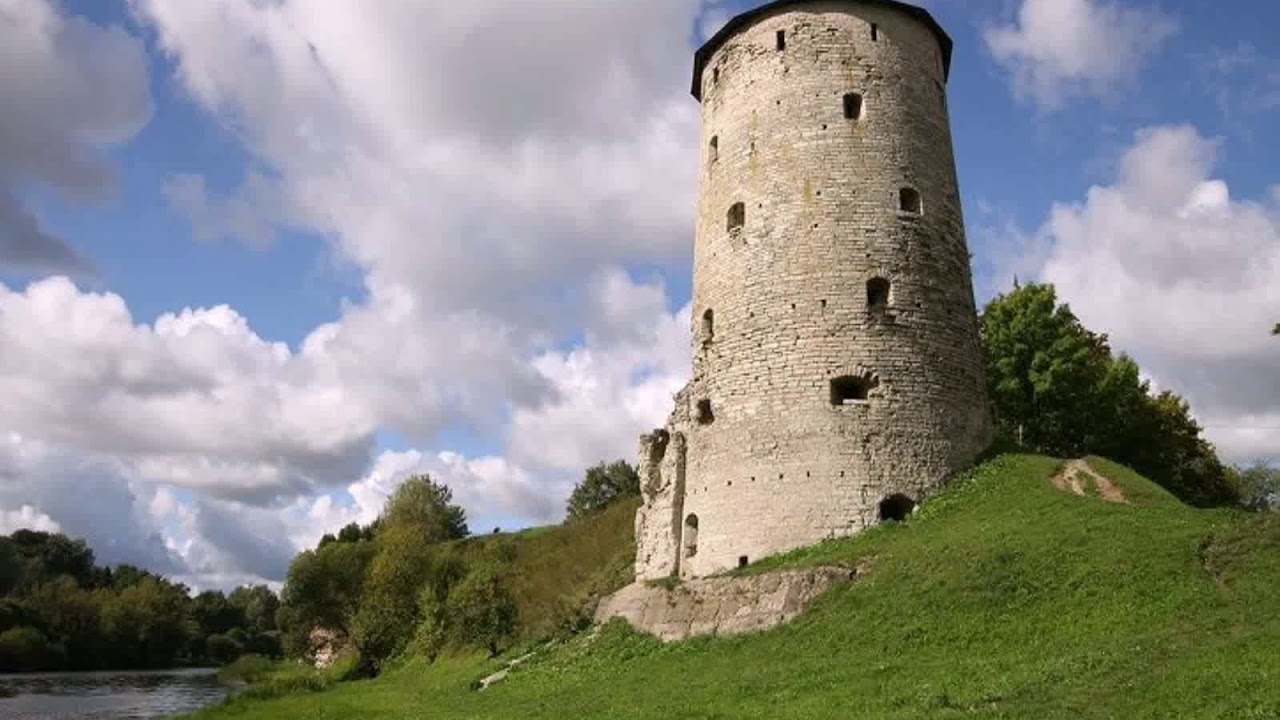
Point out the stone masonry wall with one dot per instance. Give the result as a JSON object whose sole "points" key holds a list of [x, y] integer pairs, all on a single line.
{"points": [[781, 307], [720, 606]]}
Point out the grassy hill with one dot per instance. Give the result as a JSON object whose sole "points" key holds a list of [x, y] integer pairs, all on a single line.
{"points": [[1003, 597]]}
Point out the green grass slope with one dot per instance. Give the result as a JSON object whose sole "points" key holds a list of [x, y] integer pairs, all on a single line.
{"points": [[1003, 597], [554, 571]]}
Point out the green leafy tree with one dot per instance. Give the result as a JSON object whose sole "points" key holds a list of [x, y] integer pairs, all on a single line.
{"points": [[602, 486], [71, 617], [26, 649], [258, 605], [124, 576], [427, 506], [430, 635], [420, 514], [481, 609], [214, 614], [147, 624], [1260, 486], [388, 609], [1043, 368], [323, 589], [12, 567], [49, 556], [1055, 387]]}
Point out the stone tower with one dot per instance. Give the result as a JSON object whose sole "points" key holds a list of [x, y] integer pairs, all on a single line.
{"points": [[838, 375]]}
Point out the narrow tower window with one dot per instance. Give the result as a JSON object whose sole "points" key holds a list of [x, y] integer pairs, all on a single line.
{"points": [[909, 201], [853, 106], [713, 151], [691, 535], [704, 416], [708, 326], [737, 217], [875, 32], [715, 75], [877, 293], [782, 39], [896, 508], [852, 389]]}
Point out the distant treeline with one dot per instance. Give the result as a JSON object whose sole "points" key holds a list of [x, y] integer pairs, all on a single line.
{"points": [[61, 611]]}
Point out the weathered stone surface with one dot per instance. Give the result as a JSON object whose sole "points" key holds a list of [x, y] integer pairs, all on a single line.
{"points": [[790, 295], [325, 646], [719, 606]]}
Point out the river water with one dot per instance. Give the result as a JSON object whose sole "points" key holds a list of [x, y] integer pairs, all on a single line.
{"points": [[107, 695]]}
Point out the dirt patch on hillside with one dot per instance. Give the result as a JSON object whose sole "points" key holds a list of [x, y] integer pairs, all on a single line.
{"points": [[1077, 477]]}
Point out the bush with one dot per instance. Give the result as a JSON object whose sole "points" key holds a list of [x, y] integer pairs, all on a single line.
{"points": [[222, 649], [26, 649], [602, 486], [481, 609]]}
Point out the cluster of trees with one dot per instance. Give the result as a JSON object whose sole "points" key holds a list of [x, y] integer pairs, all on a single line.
{"points": [[602, 486], [402, 586], [399, 586], [59, 610], [1056, 387]]}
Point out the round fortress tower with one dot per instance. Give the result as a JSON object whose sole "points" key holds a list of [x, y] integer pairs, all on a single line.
{"points": [[838, 375]]}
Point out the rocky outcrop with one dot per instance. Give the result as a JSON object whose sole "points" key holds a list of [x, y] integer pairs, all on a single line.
{"points": [[720, 605]]}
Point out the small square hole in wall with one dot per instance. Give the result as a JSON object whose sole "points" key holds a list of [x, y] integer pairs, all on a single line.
{"points": [[852, 389], [743, 561], [909, 201], [853, 106], [736, 217], [703, 414]]}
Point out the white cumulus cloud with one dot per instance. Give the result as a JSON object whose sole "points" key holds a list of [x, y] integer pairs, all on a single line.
{"points": [[1183, 276], [1059, 49]]}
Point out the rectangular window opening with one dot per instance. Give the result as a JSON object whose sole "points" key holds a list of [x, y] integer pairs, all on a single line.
{"points": [[875, 32], [782, 39], [853, 106]]}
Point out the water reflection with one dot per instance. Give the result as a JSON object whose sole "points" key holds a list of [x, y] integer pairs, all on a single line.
{"points": [[107, 695]]}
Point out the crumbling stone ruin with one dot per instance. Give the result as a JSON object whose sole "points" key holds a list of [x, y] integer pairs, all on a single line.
{"points": [[838, 375]]}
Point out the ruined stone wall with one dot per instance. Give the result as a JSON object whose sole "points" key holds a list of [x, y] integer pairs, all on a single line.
{"points": [[720, 606], [768, 462]]}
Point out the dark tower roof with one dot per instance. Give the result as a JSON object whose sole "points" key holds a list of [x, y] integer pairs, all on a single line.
{"points": [[708, 49]]}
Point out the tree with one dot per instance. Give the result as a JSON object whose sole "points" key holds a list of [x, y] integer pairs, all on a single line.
{"points": [[214, 614], [25, 649], [71, 617], [258, 606], [419, 515], [147, 624], [1055, 387], [602, 486], [426, 505], [1043, 367], [388, 610], [1260, 486], [49, 556], [482, 610], [323, 589]]}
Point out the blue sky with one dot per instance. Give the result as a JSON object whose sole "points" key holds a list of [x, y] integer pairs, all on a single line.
{"points": [[261, 260]]}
